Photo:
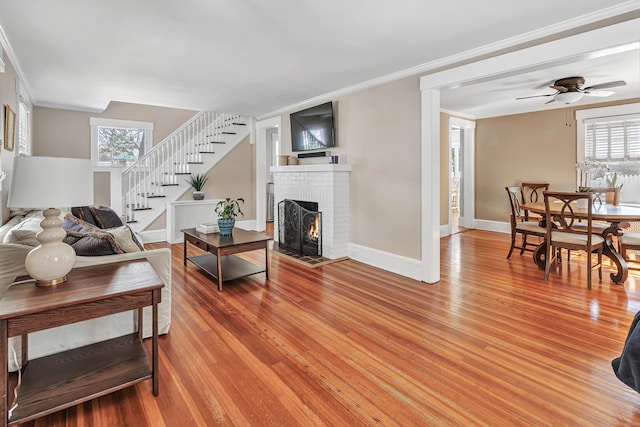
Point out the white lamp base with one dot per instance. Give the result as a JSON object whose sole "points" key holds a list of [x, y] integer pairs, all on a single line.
{"points": [[50, 262]]}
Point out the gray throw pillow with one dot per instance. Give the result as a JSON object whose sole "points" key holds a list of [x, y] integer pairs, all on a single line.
{"points": [[105, 217]]}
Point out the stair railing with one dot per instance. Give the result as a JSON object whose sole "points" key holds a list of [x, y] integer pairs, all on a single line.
{"points": [[161, 166]]}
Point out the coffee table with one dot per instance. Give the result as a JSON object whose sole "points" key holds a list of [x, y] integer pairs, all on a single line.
{"points": [[221, 249]]}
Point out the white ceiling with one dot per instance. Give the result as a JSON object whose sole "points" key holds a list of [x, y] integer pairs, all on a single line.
{"points": [[497, 97], [256, 56]]}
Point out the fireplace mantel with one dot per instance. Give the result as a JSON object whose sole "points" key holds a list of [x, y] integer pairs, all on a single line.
{"points": [[325, 184], [313, 168]]}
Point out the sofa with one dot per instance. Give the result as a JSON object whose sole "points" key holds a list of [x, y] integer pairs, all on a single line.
{"points": [[92, 243]]}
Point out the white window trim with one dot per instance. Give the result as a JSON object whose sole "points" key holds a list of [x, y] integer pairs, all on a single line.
{"points": [[584, 115], [96, 122]]}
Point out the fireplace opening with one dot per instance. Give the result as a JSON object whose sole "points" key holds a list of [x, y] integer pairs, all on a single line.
{"points": [[300, 227]]}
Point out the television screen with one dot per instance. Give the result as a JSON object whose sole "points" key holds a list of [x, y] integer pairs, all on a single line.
{"points": [[312, 129]]}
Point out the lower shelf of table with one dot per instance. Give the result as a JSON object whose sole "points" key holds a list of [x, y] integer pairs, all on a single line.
{"points": [[233, 267], [65, 379]]}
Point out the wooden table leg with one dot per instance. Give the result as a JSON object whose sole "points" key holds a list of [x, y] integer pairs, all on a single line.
{"points": [[609, 250], [154, 344], [184, 257], [219, 261], [539, 255], [4, 377], [266, 259]]}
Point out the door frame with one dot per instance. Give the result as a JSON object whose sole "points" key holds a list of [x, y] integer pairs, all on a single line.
{"points": [[261, 127], [467, 204]]}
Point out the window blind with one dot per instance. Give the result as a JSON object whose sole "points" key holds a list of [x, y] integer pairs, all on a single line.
{"points": [[24, 129], [613, 139]]}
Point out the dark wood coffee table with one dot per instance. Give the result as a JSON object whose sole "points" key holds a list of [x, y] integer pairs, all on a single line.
{"points": [[220, 248]]}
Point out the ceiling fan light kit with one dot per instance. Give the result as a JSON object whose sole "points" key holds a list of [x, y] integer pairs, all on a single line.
{"points": [[569, 97]]}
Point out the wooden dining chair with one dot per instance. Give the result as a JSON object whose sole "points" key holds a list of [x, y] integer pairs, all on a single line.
{"points": [[630, 242], [520, 225], [563, 230], [532, 193]]}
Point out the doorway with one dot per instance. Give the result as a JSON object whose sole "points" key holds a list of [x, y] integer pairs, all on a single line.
{"points": [[268, 147], [461, 173]]}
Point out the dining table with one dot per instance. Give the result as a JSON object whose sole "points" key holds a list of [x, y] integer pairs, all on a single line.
{"points": [[613, 215]]}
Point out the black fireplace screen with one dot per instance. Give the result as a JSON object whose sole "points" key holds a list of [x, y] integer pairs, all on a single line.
{"points": [[300, 227]]}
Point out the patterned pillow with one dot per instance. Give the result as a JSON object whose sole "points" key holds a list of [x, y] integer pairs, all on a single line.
{"points": [[88, 240]]}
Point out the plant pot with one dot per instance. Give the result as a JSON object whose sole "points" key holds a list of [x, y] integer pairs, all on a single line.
{"points": [[198, 195], [226, 226], [613, 198]]}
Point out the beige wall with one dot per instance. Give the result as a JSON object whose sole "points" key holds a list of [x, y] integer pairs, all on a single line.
{"points": [[534, 147], [7, 97], [233, 177], [66, 133], [378, 133]]}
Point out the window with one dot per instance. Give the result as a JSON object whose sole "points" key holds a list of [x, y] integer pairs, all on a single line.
{"points": [[23, 120], [119, 143], [613, 139], [611, 135], [24, 129]]}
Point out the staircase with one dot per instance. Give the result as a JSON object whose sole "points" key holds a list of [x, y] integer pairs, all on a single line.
{"points": [[159, 176]]}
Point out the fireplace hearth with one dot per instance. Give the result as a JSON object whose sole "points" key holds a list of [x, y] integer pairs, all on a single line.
{"points": [[300, 227]]}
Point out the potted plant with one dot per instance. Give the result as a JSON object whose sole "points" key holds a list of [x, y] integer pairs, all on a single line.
{"points": [[612, 182], [227, 210], [197, 181]]}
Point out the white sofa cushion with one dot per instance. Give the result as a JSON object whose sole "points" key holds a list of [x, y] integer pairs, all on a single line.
{"points": [[25, 232], [6, 227]]}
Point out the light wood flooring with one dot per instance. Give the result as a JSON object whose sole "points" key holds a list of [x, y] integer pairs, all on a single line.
{"points": [[346, 344]]}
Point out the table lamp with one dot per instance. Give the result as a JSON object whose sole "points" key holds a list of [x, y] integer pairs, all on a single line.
{"points": [[50, 183]]}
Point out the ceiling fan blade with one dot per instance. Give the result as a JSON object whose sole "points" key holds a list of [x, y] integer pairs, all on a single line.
{"points": [[607, 85], [550, 101], [599, 93], [536, 96], [559, 88]]}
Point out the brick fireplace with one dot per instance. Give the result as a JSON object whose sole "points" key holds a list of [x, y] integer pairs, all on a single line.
{"points": [[324, 184]]}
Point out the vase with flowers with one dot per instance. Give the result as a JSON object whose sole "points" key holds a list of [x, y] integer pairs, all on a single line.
{"points": [[590, 169]]}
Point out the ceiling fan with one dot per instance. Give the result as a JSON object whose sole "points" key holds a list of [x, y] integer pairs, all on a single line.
{"points": [[570, 90]]}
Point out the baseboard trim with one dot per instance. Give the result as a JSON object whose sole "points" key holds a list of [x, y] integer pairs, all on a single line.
{"points": [[401, 265], [153, 236], [497, 226]]}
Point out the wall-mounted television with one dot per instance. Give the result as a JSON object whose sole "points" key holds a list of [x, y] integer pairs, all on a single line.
{"points": [[312, 129]]}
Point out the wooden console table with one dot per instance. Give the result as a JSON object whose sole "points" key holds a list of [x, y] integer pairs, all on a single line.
{"points": [[221, 249], [65, 379]]}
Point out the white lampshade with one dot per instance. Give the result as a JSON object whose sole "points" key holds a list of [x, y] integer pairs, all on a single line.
{"points": [[569, 97], [50, 183]]}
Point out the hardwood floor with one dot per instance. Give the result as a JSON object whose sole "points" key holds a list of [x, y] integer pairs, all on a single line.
{"points": [[346, 344]]}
